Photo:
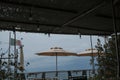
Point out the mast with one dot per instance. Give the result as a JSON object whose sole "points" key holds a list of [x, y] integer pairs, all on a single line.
{"points": [[9, 70], [15, 56]]}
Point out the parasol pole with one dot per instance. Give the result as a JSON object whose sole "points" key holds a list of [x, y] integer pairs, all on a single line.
{"points": [[56, 66]]}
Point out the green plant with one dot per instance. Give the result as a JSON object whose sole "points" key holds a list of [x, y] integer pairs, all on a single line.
{"points": [[107, 63]]}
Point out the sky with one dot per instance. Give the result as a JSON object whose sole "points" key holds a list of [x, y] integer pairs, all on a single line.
{"points": [[39, 42]]}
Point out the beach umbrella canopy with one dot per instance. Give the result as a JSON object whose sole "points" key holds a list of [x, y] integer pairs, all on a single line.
{"points": [[90, 52], [56, 51]]}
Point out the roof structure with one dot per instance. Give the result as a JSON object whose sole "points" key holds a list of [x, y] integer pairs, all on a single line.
{"points": [[85, 17]]}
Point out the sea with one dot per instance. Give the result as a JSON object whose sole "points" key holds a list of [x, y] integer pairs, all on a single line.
{"points": [[76, 67]]}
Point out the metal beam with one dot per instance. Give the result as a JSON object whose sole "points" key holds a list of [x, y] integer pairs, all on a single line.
{"points": [[53, 25], [87, 28], [15, 3], [83, 14], [106, 16], [116, 39], [26, 22]]}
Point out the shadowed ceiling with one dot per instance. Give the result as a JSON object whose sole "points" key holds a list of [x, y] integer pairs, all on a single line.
{"points": [[85, 17]]}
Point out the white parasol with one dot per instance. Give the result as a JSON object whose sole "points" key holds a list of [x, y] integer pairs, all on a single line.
{"points": [[56, 51]]}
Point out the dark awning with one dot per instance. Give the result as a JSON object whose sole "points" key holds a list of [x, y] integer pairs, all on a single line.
{"points": [[86, 17]]}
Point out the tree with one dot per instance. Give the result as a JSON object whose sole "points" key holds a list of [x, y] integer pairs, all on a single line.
{"points": [[107, 63], [3, 69]]}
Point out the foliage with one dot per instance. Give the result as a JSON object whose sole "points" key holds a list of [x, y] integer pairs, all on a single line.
{"points": [[107, 63], [3, 69]]}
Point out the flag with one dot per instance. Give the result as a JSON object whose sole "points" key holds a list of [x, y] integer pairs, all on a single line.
{"points": [[12, 41]]}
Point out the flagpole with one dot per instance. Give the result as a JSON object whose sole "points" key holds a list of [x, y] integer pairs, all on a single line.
{"points": [[9, 55]]}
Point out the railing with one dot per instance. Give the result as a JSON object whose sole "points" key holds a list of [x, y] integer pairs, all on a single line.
{"points": [[62, 75]]}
